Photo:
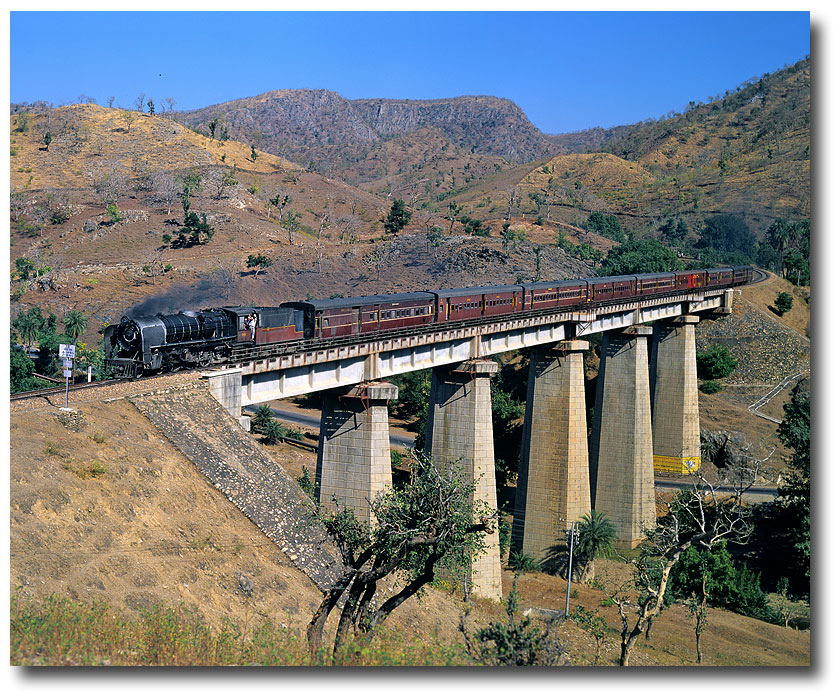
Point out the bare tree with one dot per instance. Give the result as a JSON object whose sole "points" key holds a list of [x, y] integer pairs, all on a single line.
{"points": [[140, 102], [428, 220], [156, 260], [228, 271], [141, 173], [324, 224], [170, 102], [220, 179], [164, 188], [379, 256], [349, 226], [17, 204], [511, 197], [709, 513], [108, 181], [58, 203]]}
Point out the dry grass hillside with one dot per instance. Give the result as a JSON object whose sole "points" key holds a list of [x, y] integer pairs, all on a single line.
{"points": [[746, 153], [420, 166], [105, 509], [104, 266], [111, 511], [85, 137]]}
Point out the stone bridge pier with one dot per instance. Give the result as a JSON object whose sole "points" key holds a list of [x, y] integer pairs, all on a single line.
{"points": [[676, 431], [354, 456], [553, 487], [460, 427], [621, 454]]}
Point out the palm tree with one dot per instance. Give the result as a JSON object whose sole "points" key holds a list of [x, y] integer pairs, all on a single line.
{"points": [[262, 417], [28, 325], [75, 324], [596, 538]]}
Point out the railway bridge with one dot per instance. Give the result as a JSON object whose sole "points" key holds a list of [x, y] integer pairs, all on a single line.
{"points": [[645, 416]]}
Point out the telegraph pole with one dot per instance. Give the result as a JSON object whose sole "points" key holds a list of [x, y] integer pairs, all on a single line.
{"points": [[570, 571]]}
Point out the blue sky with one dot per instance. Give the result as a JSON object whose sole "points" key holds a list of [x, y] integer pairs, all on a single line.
{"points": [[567, 71]]}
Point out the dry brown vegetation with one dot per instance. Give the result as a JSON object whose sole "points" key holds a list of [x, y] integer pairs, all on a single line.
{"points": [[149, 529]]}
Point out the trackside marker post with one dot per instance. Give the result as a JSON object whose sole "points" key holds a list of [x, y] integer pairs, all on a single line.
{"points": [[67, 353]]}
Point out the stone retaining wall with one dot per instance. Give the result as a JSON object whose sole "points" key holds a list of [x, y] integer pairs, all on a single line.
{"points": [[234, 463]]}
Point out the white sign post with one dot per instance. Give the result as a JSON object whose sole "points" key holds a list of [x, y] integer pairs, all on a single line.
{"points": [[67, 353]]}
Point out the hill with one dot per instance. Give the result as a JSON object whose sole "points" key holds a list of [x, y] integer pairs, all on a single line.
{"points": [[325, 131], [88, 138], [746, 153], [104, 264]]}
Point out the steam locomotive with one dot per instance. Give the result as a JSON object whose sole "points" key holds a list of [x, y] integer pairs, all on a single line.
{"points": [[236, 334]]}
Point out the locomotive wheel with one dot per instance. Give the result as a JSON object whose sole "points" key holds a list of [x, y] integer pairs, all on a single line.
{"points": [[204, 358]]}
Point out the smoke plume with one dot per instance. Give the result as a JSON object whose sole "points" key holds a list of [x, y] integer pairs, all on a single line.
{"points": [[179, 298]]}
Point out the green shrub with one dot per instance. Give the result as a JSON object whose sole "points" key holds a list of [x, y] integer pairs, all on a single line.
{"points": [[263, 414], [783, 303], [113, 212], [606, 225], [307, 483], [715, 362], [59, 216], [523, 562], [272, 431], [710, 387], [517, 643]]}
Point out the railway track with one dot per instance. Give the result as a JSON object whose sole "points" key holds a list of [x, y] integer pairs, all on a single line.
{"points": [[54, 390], [762, 276]]}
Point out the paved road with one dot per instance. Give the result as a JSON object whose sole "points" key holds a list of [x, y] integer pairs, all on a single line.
{"points": [[682, 484], [313, 420]]}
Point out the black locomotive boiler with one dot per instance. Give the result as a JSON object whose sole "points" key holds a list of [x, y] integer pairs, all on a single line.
{"points": [[168, 342]]}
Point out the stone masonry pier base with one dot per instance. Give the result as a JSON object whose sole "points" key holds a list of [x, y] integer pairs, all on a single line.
{"points": [[553, 487], [226, 386], [354, 457], [621, 456], [460, 427], [676, 431]]}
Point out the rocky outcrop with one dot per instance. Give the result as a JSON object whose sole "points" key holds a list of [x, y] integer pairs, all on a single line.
{"points": [[327, 129]]}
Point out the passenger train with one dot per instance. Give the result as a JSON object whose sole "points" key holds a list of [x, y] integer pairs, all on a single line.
{"points": [[236, 334]]}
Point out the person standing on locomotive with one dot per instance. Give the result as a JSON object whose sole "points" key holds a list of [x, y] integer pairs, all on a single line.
{"points": [[251, 322]]}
